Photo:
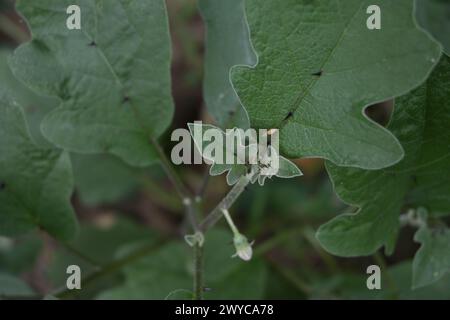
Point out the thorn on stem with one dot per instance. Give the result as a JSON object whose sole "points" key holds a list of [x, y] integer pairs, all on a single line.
{"points": [[2, 185], [318, 73], [92, 44]]}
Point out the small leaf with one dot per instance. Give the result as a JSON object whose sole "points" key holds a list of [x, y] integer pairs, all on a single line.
{"points": [[114, 95], [236, 172], [432, 260], [288, 169], [227, 44], [36, 183], [319, 67], [422, 179], [260, 164], [218, 169], [198, 131]]}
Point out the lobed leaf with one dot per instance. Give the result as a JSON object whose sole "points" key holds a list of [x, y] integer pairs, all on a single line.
{"points": [[319, 66], [112, 76], [422, 179], [35, 183]]}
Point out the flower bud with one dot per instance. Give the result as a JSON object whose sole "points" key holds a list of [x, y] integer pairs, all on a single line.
{"points": [[243, 247]]}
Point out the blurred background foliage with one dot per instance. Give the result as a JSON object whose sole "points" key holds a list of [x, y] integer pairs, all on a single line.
{"points": [[130, 242]]}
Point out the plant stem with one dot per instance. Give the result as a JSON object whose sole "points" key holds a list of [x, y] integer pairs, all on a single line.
{"points": [[230, 221], [170, 171], [160, 196], [180, 188], [204, 185], [192, 208], [198, 272], [225, 204]]}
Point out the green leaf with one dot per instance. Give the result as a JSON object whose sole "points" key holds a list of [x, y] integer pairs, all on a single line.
{"points": [[261, 170], [36, 183], [99, 179], [112, 76], [422, 179], [319, 67], [288, 169], [434, 16], [432, 260], [159, 275], [227, 44], [235, 173], [198, 131]]}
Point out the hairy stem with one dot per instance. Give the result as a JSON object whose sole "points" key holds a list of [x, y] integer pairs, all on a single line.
{"points": [[180, 188], [198, 271], [226, 203], [230, 221], [204, 185], [192, 207]]}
